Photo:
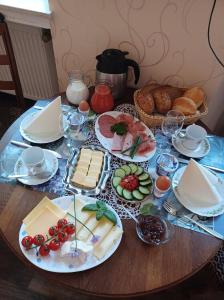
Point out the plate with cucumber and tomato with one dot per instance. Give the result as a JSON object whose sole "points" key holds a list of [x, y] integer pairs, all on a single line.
{"points": [[131, 183]]}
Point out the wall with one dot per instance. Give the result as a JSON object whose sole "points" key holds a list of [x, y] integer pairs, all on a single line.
{"points": [[167, 38]]}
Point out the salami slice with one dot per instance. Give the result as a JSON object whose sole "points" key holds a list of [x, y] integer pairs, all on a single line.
{"points": [[105, 122]]}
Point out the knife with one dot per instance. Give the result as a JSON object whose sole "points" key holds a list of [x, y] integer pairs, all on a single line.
{"points": [[24, 145], [185, 161]]}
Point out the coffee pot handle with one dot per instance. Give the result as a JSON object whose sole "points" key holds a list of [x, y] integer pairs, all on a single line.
{"points": [[134, 65]]}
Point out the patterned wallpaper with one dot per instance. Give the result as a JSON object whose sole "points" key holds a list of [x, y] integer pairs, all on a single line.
{"points": [[168, 39]]}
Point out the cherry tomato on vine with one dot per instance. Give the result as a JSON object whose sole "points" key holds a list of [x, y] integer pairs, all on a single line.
{"points": [[70, 228], [62, 223], [53, 230], [38, 240], [63, 236], [54, 245], [27, 242], [44, 250]]}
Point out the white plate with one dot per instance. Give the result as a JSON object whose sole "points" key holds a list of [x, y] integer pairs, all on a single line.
{"points": [[55, 263], [206, 210], [107, 142], [202, 150], [40, 140], [51, 166]]}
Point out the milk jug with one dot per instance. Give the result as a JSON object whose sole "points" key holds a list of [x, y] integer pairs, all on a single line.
{"points": [[77, 90]]}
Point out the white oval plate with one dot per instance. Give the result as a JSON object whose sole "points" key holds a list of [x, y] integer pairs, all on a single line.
{"points": [[205, 211], [51, 166], [107, 142], [202, 150], [40, 140], [54, 262]]}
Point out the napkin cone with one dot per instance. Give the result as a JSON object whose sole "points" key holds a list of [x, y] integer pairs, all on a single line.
{"points": [[47, 122], [199, 185]]}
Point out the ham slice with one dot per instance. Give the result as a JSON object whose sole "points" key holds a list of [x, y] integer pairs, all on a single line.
{"points": [[128, 141], [117, 144]]}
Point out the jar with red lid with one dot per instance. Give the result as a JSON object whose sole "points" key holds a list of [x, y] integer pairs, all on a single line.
{"points": [[102, 99]]}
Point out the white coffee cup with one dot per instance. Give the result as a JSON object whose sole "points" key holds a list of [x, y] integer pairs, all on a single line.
{"points": [[195, 134], [34, 160]]}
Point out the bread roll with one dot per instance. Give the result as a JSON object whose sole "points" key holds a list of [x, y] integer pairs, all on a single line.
{"points": [[196, 94], [149, 88], [185, 105], [146, 102], [162, 101], [172, 91]]}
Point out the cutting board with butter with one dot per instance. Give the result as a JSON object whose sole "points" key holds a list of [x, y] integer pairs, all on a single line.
{"points": [[48, 211]]}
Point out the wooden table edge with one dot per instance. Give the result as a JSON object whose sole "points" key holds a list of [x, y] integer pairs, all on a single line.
{"points": [[82, 291]]}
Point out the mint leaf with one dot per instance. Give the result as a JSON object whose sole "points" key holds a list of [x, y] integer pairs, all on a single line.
{"points": [[149, 209], [110, 216], [101, 205], [90, 207], [99, 215]]}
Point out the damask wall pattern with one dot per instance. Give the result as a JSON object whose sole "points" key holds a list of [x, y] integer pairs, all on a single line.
{"points": [[168, 39]]}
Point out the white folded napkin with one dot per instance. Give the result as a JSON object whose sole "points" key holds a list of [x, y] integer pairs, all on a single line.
{"points": [[199, 185], [47, 122]]}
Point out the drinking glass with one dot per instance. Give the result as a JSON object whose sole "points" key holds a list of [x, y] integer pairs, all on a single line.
{"points": [[172, 124], [76, 132]]}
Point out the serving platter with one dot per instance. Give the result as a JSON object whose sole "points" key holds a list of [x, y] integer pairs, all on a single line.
{"points": [[107, 142], [105, 173], [205, 210], [41, 140], [54, 262]]}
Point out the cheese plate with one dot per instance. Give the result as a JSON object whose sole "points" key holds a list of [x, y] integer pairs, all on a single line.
{"points": [[56, 262]]}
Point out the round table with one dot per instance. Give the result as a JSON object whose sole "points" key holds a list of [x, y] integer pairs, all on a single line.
{"points": [[134, 269]]}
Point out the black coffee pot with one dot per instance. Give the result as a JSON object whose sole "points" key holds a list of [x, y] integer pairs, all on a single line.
{"points": [[112, 67]]}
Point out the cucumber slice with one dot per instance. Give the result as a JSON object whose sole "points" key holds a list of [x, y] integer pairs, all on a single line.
{"points": [[143, 177], [127, 194], [146, 182], [144, 190], [133, 167], [119, 173], [137, 195], [139, 171], [119, 190], [116, 181], [127, 169]]}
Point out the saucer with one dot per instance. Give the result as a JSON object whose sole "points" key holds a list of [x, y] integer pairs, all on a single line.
{"points": [[52, 167], [41, 140], [201, 151]]}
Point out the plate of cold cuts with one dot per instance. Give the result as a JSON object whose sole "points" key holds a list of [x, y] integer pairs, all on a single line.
{"points": [[125, 136]]}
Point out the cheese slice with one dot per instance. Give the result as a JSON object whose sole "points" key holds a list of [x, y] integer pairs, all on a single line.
{"points": [[45, 202], [41, 222], [78, 178], [101, 230], [82, 164], [83, 170], [47, 122], [199, 185], [82, 216], [114, 234], [91, 224]]}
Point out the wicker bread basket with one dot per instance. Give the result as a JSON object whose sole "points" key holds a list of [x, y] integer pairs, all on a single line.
{"points": [[155, 120]]}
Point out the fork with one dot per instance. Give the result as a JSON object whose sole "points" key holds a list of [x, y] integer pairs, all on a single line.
{"points": [[173, 211]]}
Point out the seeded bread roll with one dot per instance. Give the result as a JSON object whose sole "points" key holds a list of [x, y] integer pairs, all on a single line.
{"points": [[185, 105], [196, 94], [146, 102], [162, 101]]}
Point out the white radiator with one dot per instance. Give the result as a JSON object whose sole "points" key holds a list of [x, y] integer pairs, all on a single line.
{"points": [[35, 62]]}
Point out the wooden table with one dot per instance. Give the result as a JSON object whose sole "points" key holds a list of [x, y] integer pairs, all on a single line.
{"points": [[134, 269]]}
